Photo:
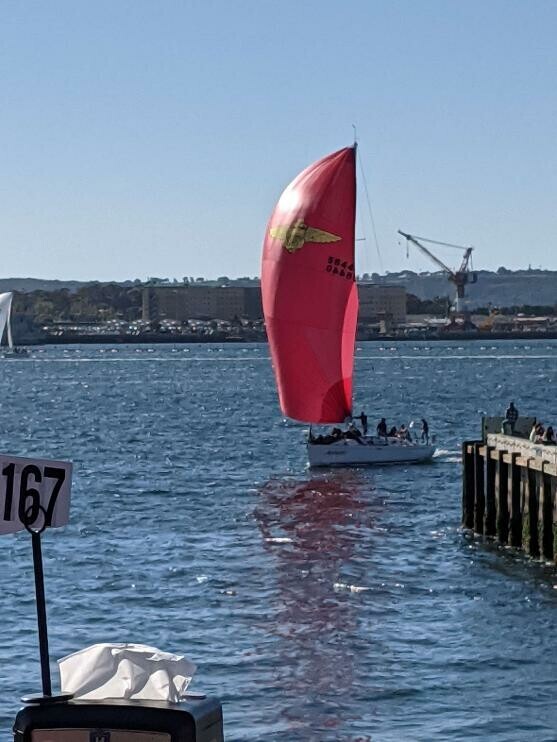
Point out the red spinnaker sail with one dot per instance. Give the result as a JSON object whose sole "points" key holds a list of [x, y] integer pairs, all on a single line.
{"points": [[310, 299]]}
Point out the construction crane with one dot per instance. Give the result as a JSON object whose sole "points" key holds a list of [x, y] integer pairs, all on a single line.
{"points": [[459, 277]]}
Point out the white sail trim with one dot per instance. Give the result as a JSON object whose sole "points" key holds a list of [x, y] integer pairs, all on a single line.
{"points": [[5, 310]]}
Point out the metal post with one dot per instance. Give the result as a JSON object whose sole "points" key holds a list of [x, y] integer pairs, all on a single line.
{"points": [[41, 612]]}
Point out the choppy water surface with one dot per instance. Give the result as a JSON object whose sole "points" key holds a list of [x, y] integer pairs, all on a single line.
{"points": [[334, 606]]}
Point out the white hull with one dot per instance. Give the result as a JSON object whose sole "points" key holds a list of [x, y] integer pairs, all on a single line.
{"points": [[372, 451], [9, 353]]}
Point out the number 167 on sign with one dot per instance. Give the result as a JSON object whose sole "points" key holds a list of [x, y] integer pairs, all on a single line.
{"points": [[34, 493]]}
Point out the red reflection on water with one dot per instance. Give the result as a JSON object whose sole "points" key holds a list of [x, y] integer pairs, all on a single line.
{"points": [[312, 528]]}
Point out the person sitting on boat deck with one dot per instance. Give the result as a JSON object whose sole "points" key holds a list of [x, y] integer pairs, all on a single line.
{"points": [[332, 437], [549, 436], [382, 428], [425, 431], [404, 433], [392, 432], [354, 434], [363, 419], [512, 416]]}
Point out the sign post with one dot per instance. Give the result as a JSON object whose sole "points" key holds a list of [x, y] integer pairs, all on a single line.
{"points": [[41, 613], [34, 496]]}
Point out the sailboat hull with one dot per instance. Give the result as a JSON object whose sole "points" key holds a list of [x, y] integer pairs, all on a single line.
{"points": [[371, 452], [17, 353]]}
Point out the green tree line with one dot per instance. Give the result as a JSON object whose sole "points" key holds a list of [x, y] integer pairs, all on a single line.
{"points": [[93, 303]]}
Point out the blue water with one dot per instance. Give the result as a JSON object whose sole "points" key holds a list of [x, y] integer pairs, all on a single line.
{"points": [[327, 606]]}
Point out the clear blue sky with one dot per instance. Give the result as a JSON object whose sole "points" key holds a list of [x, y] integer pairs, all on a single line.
{"points": [[153, 138]]}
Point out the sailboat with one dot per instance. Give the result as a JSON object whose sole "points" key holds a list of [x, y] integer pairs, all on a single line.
{"points": [[5, 325], [310, 304]]}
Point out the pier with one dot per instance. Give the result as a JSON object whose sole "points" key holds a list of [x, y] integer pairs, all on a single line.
{"points": [[509, 492]]}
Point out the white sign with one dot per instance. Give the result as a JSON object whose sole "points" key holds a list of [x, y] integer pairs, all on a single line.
{"points": [[34, 493]]}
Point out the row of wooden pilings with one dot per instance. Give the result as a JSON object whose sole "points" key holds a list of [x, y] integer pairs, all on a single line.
{"points": [[509, 493]]}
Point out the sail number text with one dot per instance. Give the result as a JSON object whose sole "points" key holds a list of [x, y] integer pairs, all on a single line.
{"points": [[341, 268]]}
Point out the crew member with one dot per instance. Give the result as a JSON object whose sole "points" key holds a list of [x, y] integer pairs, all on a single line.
{"points": [[354, 434], [363, 420], [382, 428]]}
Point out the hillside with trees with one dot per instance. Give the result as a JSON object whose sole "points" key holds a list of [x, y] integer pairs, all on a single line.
{"points": [[88, 303]]}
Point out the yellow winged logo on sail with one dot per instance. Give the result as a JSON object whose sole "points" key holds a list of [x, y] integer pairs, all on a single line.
{"points": [[294, 236]]}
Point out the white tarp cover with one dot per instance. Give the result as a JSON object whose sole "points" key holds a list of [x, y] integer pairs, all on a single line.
{"points": [[128, 671]]}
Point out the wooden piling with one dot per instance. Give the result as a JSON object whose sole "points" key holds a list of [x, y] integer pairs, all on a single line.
{"points": [[545, 515], [479, 489], [553, 495], [468, 486], [513, 499], [501, 502], [529, 506], [490, 521]]}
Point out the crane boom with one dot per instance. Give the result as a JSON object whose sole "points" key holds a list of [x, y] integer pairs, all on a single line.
{"points": [[443, 244], [430, 255]]}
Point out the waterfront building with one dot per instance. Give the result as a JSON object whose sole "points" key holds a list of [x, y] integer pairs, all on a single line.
{"points": [[380, 302], [182, 302], [189, 301]]}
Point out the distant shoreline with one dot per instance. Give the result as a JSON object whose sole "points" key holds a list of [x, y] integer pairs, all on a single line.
{"points": [[163, 339]]}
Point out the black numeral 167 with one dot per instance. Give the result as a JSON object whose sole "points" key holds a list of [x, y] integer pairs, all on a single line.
{"points": [[29, 497]]}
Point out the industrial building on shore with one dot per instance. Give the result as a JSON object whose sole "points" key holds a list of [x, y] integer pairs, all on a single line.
{"points": [[182, 302]]}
